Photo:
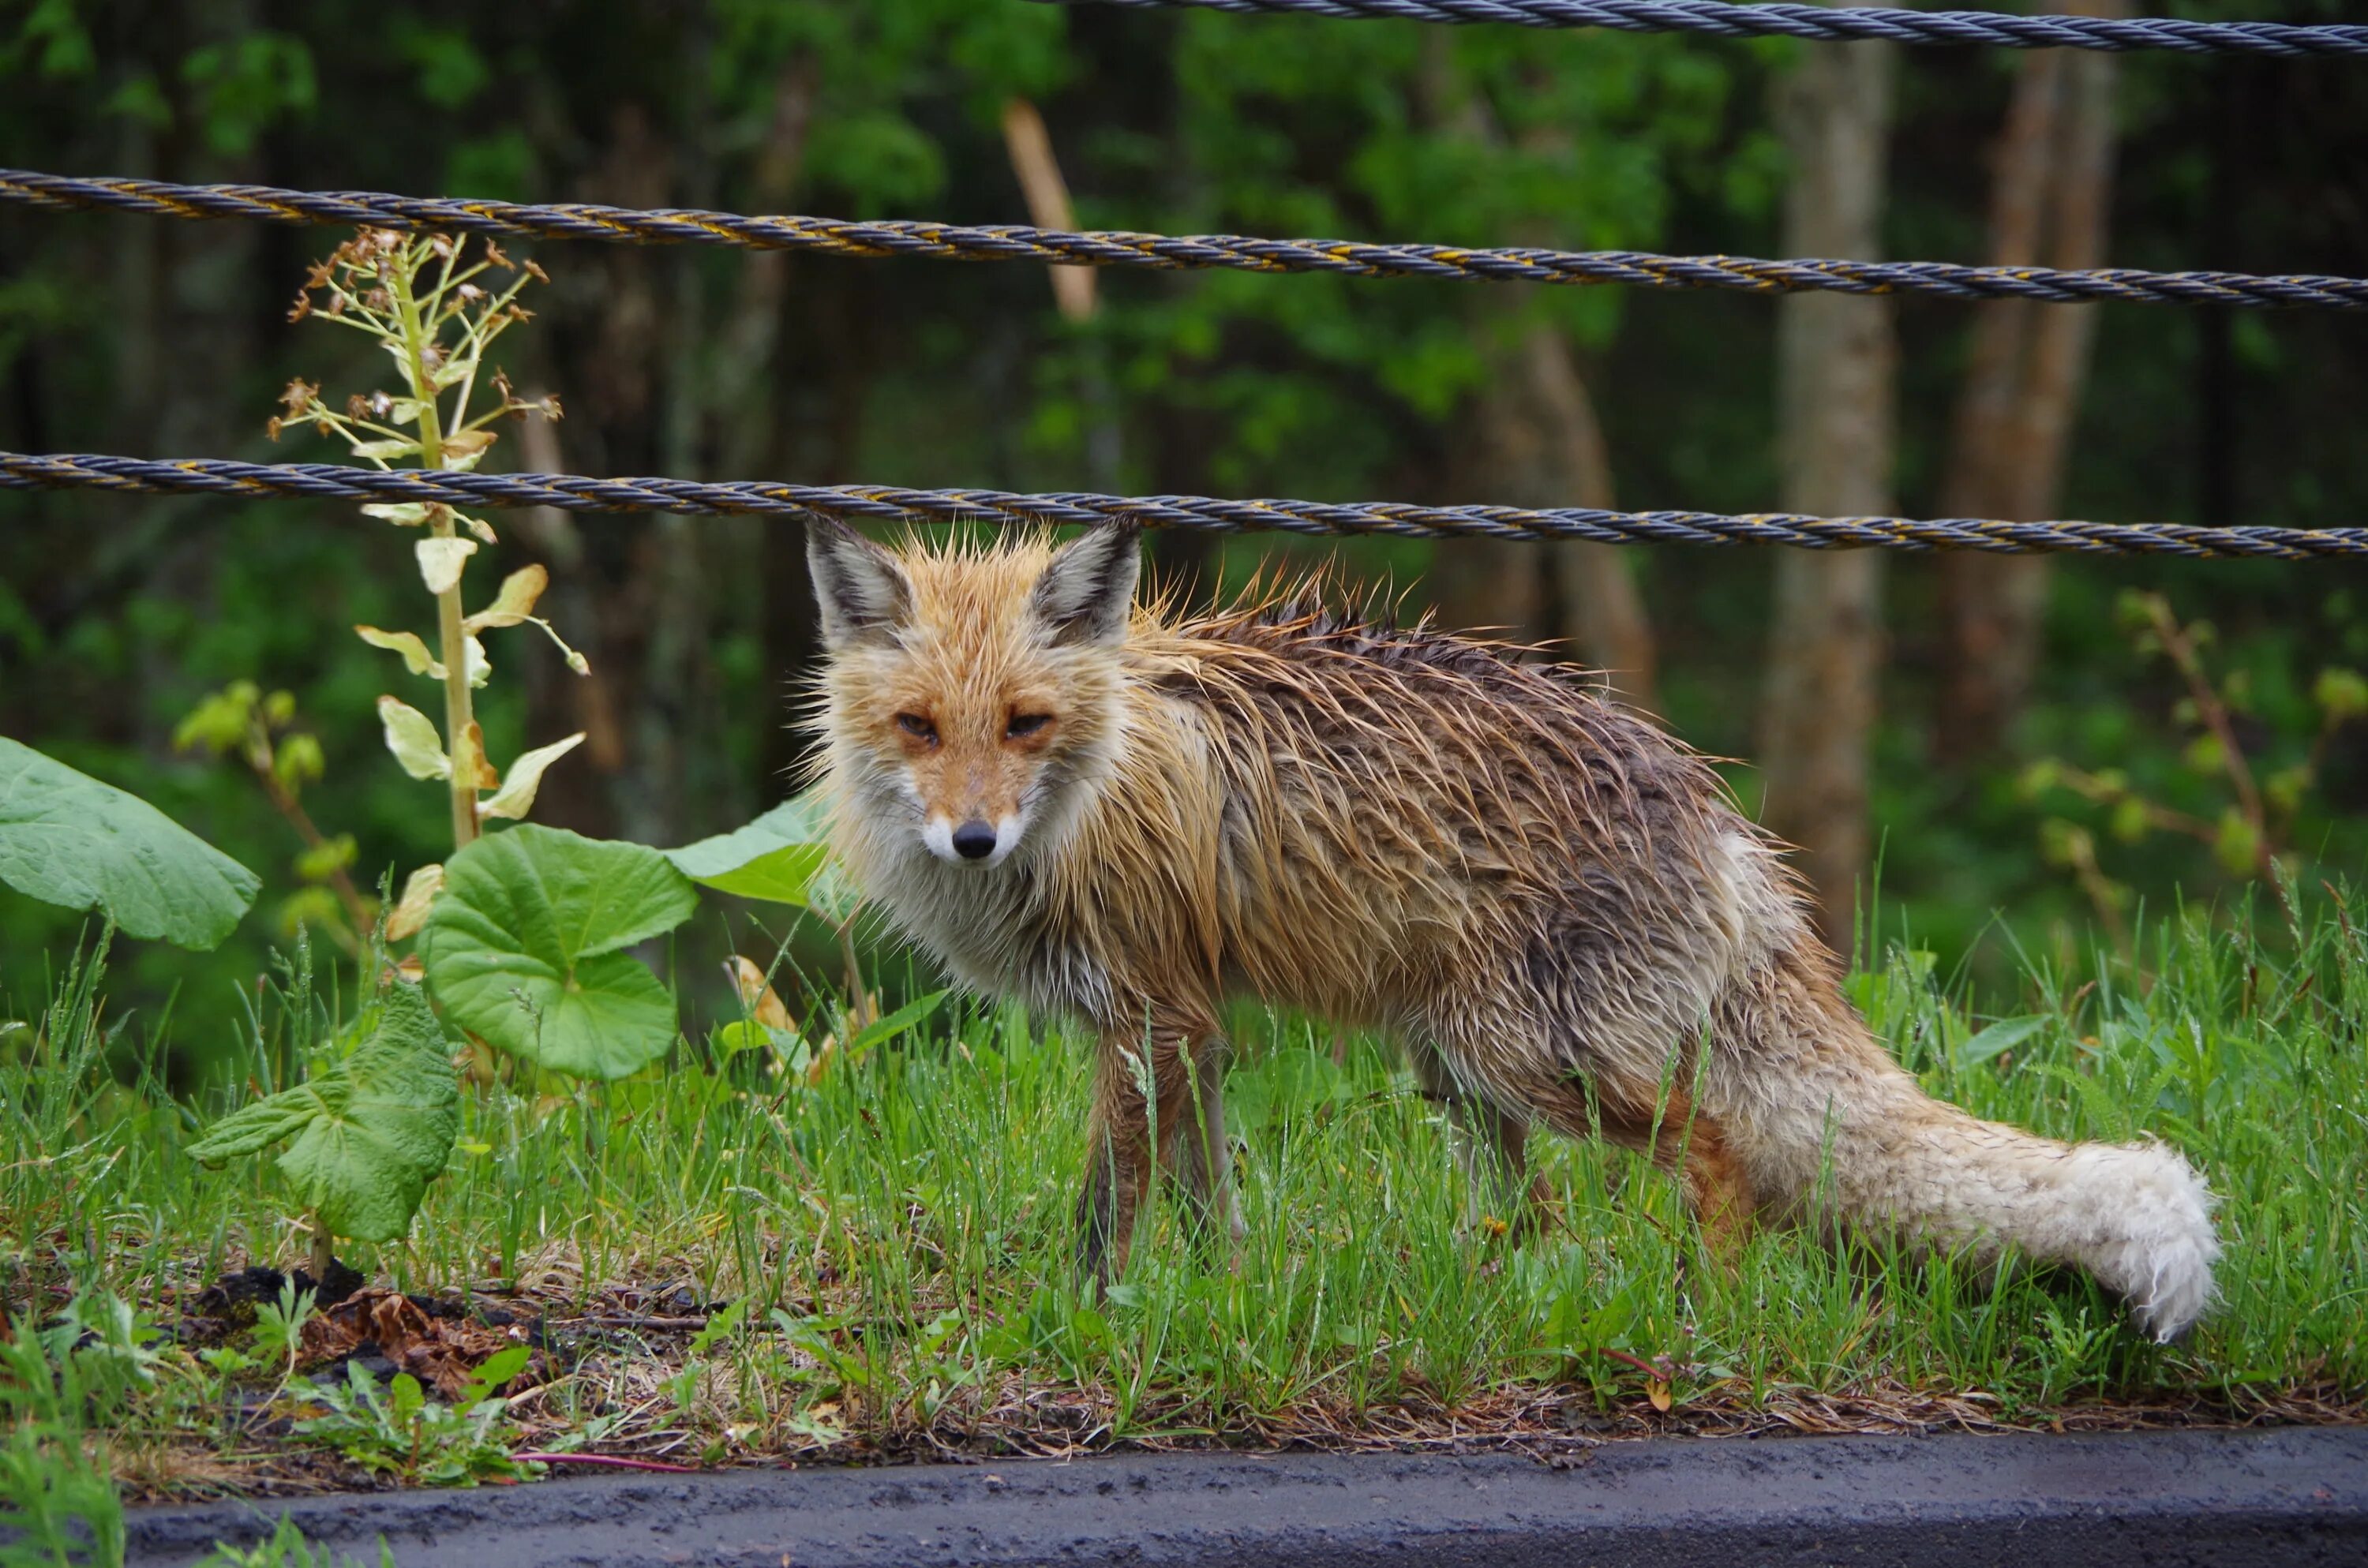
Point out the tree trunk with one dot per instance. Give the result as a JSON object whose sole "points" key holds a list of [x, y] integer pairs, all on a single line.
{"points": [[572, 795], [754, 435], [1483, 585], [845, 320], [1491, 586], [1835, 371], [2050, 194], [1603, 611], [1536, 442], [1029, 146], [616, 396], [1539, 444], [752, 418], [637, 403], [2219, 242]]}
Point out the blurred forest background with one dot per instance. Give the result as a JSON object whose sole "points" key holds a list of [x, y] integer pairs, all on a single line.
{"points": [[2012, 743]]}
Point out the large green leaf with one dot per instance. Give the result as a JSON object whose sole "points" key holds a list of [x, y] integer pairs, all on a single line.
{"points": [[67, 839], [521, 949], [370, 1134], [778, 857], [1996, 1040]]}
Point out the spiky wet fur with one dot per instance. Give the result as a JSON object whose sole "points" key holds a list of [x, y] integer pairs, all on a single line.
{"points": [[1552, 902]]}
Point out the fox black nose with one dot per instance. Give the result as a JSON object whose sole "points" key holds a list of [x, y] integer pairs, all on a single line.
{"points": [[974, 840]]}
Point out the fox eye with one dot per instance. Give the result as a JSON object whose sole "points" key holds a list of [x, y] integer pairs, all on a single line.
{"points": [[1023, 725], [920, 729]]}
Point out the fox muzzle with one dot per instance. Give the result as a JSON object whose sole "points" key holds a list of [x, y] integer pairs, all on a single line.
{"points": [[974, 841]]}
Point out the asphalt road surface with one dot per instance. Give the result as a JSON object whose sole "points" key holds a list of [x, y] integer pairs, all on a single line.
{"points": [[2229, 1499]]}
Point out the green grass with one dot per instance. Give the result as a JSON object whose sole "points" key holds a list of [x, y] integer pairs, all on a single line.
{"points": [[895, 1240]]}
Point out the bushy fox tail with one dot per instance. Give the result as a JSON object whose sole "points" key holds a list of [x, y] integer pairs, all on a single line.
{"points": [[1828, 1126]]}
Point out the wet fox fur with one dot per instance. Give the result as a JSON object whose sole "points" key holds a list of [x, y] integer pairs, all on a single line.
{"points": [[1126, 816]]}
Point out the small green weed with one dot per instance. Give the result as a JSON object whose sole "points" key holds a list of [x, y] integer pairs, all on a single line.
{"points": [[400, 1432], [60, 1388], [286, 1548], [58, 1505]]}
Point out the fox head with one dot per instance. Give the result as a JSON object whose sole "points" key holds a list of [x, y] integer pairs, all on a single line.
{"points": [[973, 698]]}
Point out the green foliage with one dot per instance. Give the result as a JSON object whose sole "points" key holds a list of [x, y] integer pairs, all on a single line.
{"points": [[2245, 803], [57, 1507], [60, 1385], [239, 720], [920, 1172], [366, 1134], [798, 1060], [98, 1355], [451, 70], [2342, 694], [247, 84], [68, 839], [55, 1083], [398, 1432], [1288, 1082], [904, 1020], [684, 1386], [776, 857], [1994, 1041], [52, 41], [522, 949], [278, 1332], [115, 617], [871, 69], [286, 1547], [1469, 136]]}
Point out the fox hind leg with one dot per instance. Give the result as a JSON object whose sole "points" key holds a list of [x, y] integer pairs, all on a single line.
{"points": [[1679, 1139], [1690, 1144]]}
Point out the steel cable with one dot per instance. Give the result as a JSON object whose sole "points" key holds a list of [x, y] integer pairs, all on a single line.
{"points": [[1831, 23], [883, 503], [836, 237]]}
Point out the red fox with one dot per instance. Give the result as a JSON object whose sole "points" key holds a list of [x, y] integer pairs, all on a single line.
{"points": [[1127, 816]]}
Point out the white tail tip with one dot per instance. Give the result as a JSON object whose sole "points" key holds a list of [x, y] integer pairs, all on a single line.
{"points": [[2150, 1233]]}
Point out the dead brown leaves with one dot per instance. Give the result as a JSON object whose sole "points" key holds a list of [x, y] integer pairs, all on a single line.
{"points": [[442, 1351]]}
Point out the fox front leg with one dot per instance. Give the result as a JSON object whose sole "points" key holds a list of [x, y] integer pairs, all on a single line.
{"points": [[1115, 1172], [1143, 1094]]}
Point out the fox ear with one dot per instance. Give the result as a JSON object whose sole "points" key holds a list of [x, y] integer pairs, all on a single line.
{"points": [[1085, 595], [860, 589]]}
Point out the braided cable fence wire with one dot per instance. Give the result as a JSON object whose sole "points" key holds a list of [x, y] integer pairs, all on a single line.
{"points": [[1723, 19], [869, 502], [837, 236]]}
